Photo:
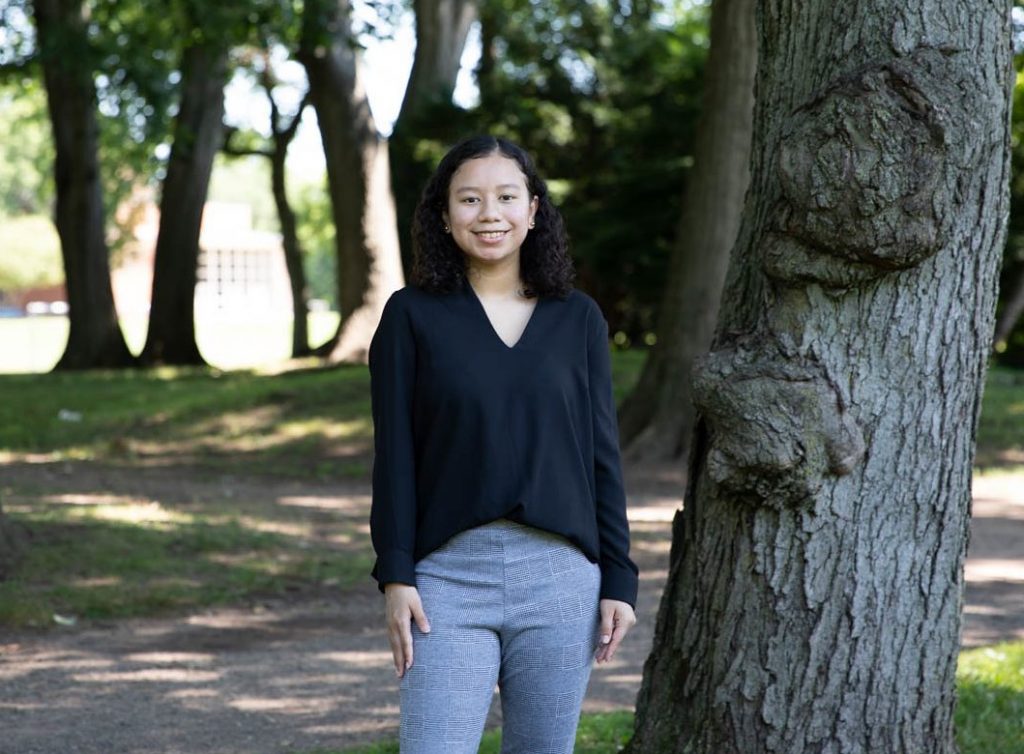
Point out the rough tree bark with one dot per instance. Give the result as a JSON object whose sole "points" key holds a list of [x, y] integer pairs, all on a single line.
{"points": [[358, 177], [656, 419], [815, 580], [198, 130], [442, 27], [94, 337]]}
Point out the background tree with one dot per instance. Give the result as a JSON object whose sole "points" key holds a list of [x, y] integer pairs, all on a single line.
{"points": [[282, 133], [369, 262], [816, 575], [656, 419], [94, 336], [198, 130]]}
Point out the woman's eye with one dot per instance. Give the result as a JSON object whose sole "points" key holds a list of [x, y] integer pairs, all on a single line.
{"points": [[507, 197], [469, 200]]}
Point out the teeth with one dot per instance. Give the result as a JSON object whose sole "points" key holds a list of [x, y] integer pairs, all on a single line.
{"points": [[492, 235]]}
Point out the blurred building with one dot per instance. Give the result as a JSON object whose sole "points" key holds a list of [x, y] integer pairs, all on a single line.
{"points": [[241, 271]]}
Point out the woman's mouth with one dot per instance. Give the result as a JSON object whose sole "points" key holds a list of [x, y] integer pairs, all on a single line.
{"points": [[491, 235]]}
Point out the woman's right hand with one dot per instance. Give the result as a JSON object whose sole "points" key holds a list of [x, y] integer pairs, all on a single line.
{"points": [[402, 604]]}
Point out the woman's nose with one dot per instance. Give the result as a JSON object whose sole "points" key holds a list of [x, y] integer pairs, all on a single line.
{"points": [[489, 209]]}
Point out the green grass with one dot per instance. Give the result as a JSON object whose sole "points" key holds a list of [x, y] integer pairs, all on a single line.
{"points": [[96, 556], [989, 715], [1001, 428], [292, 424]]}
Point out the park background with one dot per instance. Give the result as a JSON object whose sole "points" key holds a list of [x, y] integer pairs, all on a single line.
{"points": [[231, 496]]}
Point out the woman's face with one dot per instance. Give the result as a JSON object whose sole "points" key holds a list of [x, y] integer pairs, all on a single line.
{"points": [[490, 209]]}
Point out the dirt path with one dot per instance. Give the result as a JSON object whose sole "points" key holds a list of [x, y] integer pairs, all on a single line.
{"points": [[278, 678]]}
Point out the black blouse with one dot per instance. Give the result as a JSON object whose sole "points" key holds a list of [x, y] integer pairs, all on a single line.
{"points": [[468, 430]]}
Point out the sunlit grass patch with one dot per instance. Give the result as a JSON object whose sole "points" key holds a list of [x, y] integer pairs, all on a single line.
{"points": [[990, 714], [1001, 429], [110, 560], [312, 421]]}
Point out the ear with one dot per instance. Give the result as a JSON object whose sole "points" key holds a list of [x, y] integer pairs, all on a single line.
{"points": [[444, 217], [534, 206]]}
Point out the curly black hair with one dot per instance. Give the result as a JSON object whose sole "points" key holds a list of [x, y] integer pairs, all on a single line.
{"points": [[439, 265]]}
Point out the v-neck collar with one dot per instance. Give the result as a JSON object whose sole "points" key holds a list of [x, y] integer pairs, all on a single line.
{"points": [[471, 293]]}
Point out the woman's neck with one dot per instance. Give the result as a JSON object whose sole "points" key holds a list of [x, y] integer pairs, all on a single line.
{"points": [[501, 282]]}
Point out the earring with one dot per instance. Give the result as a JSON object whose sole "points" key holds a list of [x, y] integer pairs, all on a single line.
{"points": [[447, 229], [532, 223]]}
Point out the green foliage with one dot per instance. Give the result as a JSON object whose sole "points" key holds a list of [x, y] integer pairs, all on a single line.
{"points": [[607, 99], [312, 205], [26, 162], [31, 253]]}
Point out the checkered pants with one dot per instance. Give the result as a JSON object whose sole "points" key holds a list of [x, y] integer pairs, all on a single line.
{"points": [[511, 604]]}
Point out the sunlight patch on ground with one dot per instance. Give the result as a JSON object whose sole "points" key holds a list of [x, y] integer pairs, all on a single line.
{"points": [[976, 569], [147, 675], [294, 705], [332, 503], [155, 658], [357, 659]]}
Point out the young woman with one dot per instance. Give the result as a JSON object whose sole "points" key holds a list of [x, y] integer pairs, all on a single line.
{"points": [[499, 514]]}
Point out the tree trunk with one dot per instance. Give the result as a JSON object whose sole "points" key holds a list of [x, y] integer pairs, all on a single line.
{"points": [[442, 27], [197, 136], [815, 579], [94, 337], [656, 419], [290, 241], [358, 177]]}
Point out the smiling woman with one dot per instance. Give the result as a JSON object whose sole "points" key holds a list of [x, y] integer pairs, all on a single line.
{"points": [[498, 512]]}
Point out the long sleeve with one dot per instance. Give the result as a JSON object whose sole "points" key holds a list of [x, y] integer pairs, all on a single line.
{"points": [[392, 361], [619, 574]]}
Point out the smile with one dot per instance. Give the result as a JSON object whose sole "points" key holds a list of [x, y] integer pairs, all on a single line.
{"points": [[492, 235]]}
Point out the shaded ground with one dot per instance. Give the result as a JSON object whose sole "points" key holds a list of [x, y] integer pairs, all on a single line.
{"points": [[295, 675]]}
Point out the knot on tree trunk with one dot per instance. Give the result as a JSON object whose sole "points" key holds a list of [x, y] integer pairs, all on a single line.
{"points": [[777, 425], [862, 169]]}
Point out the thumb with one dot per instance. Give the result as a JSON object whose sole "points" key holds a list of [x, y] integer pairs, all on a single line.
{"points": [[607, 618], [420, 617]]}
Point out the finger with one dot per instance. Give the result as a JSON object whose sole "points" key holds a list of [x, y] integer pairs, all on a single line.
{"points": [[406, 638], [396, 651], [607, 624], [420, 617]]}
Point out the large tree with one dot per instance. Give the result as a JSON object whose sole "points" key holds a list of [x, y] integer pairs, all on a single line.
{"points": [[94, 337], [358, 176], [657, 417], [815, 579], [197, 138]]}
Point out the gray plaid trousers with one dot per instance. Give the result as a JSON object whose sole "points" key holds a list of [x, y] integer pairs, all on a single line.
{"points": [[507, 604]]}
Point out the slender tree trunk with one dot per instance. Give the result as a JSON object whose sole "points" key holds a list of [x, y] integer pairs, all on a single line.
{"points": [[197, 137], [292, 249], [94, 338], [656, 419], [815, 580], [442, 27], [358, 176]]}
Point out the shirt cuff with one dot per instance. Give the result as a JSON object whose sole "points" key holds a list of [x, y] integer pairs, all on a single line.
{"points": [[619, 583], [394, 566]]}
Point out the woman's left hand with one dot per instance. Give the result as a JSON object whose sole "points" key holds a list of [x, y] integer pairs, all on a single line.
{"points": [[616, 620]]}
